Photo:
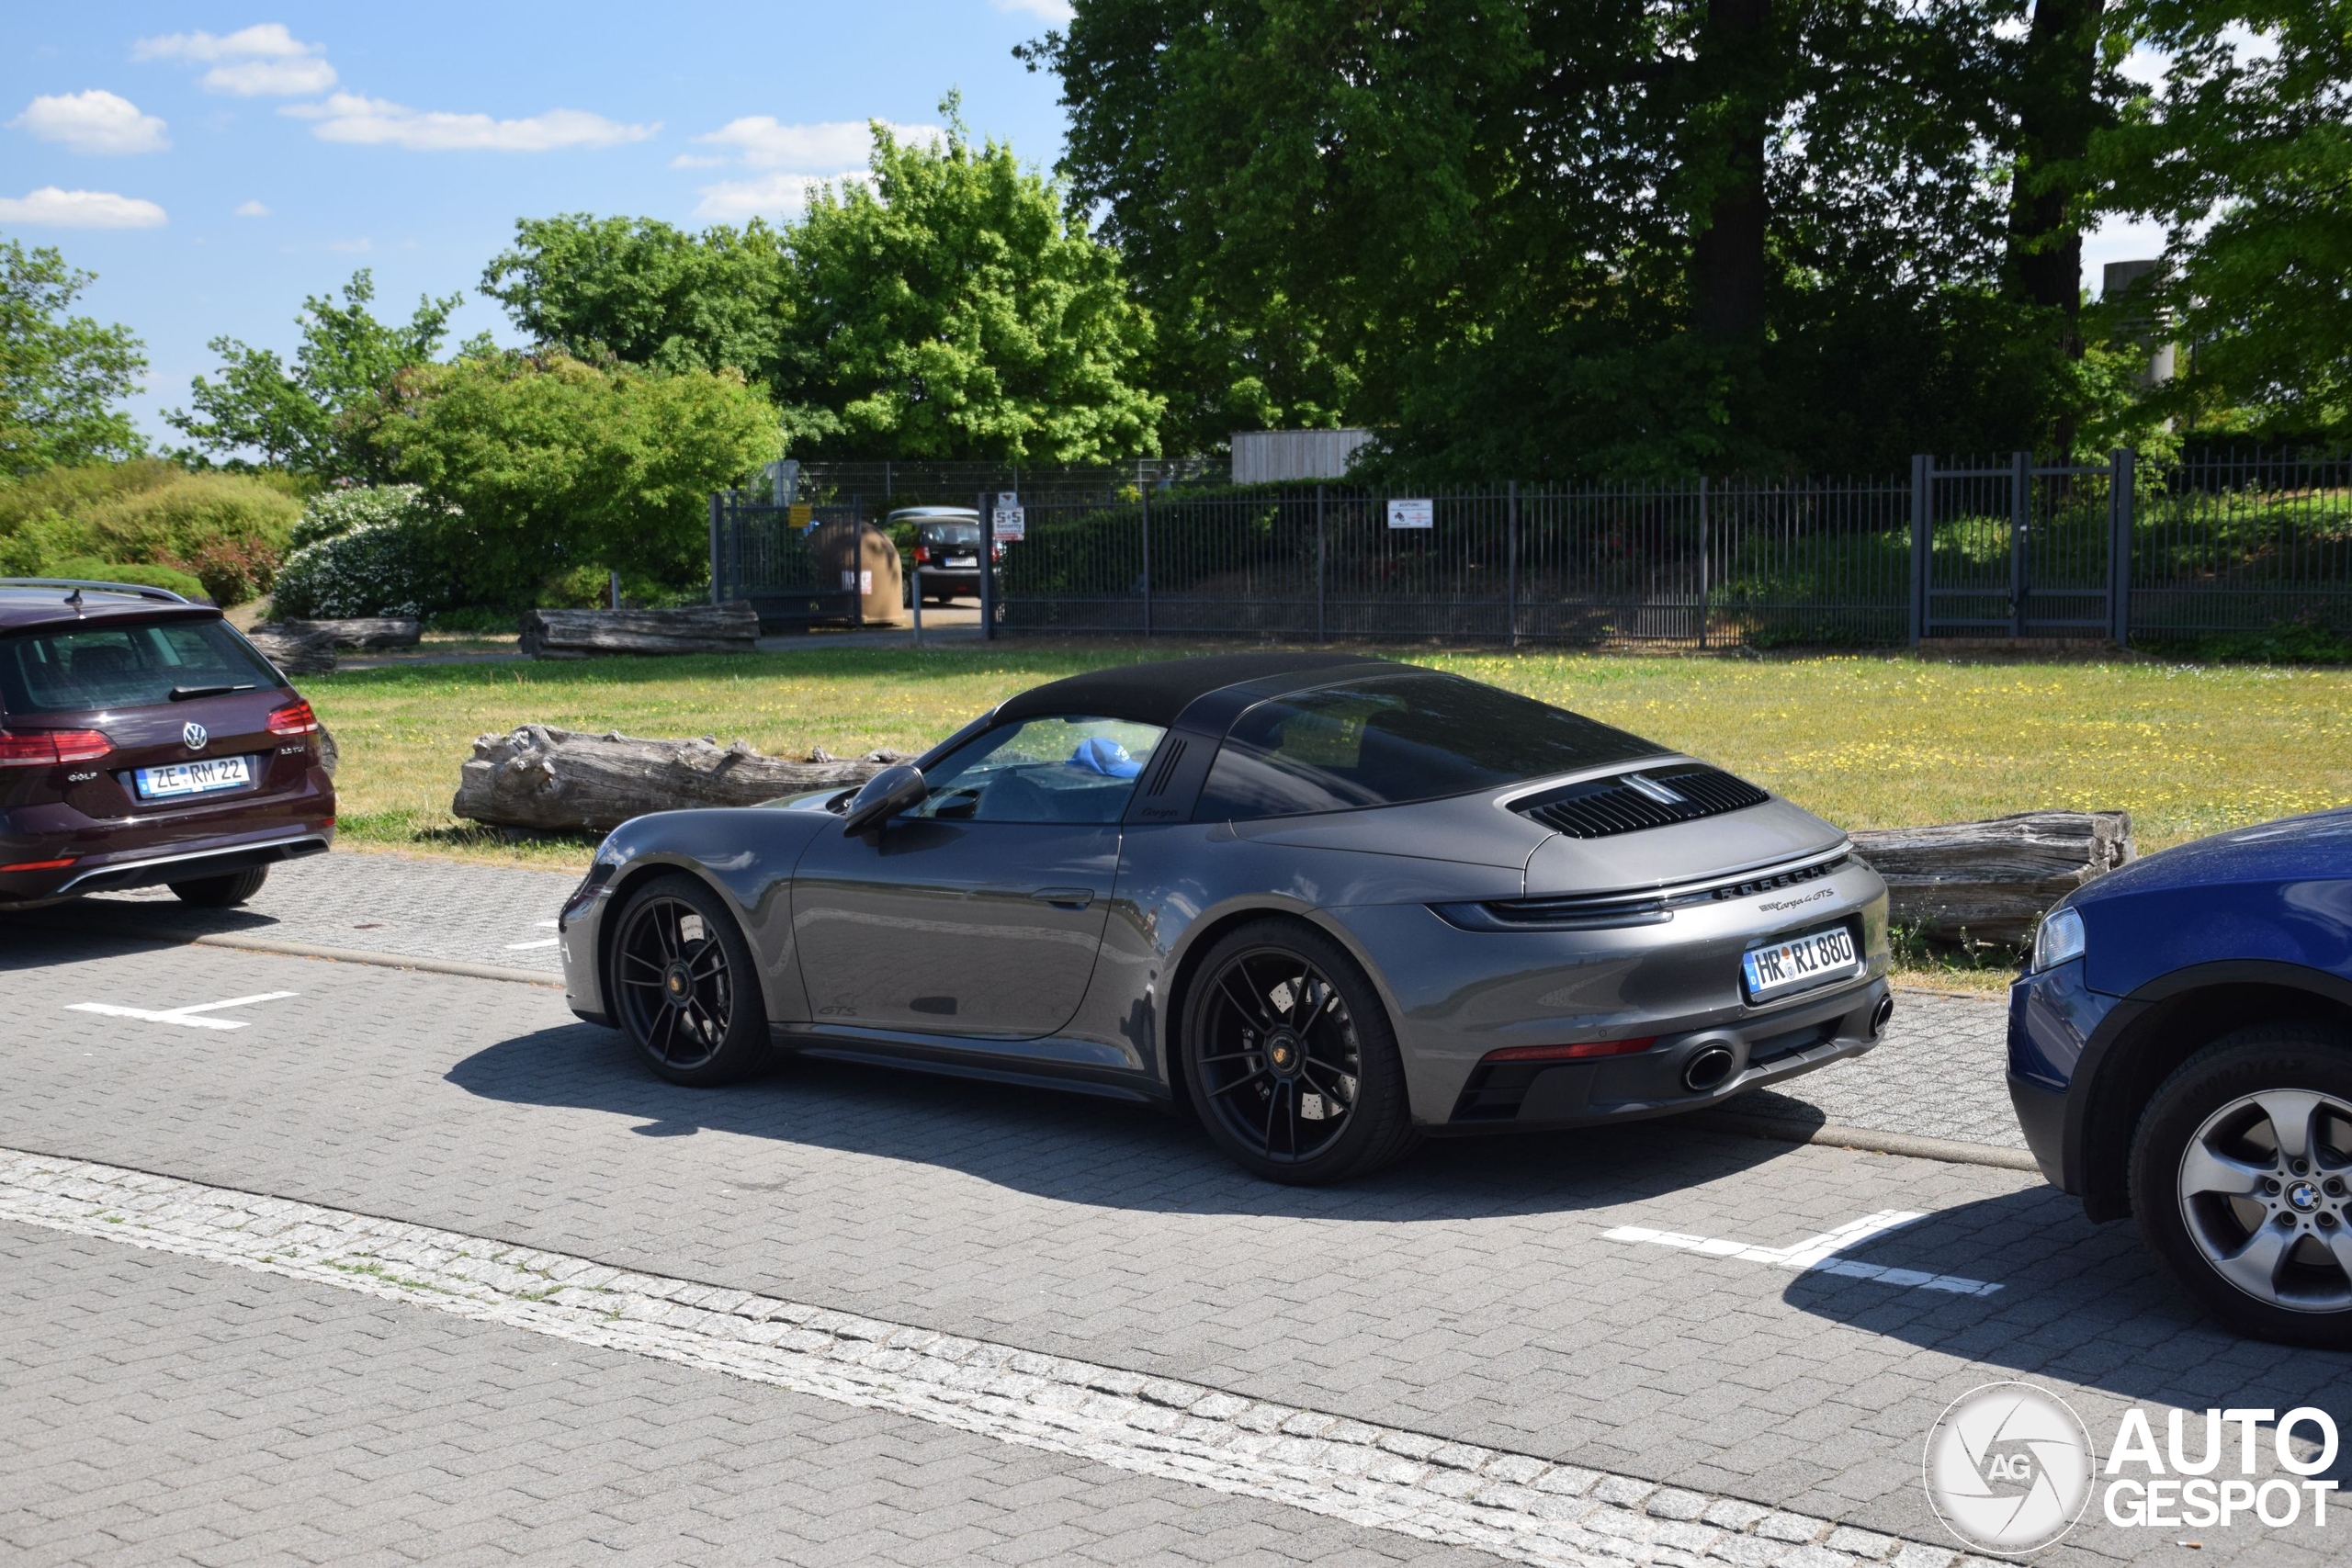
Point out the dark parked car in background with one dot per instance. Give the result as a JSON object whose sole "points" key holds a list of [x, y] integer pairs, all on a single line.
{"points": [[2181, 1051], [1328, 904], [143, 742], [946, 549]]}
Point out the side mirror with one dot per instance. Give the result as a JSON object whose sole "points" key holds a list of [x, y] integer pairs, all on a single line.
{"points": [[884, 795]]}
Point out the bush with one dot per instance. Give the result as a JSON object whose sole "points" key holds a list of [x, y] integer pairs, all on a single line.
{"points": [[227, 530], [90, 569], [390, 568], [335, 512]]}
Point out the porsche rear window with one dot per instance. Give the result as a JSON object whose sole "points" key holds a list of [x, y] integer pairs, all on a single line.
{"points": [[1396, 739], [117, 666]]}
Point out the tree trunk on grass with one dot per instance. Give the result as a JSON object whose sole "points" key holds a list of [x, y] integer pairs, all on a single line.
{"points": [[296, 653], [558, 781], [369, 633], [1993, 881], [731, 628]]}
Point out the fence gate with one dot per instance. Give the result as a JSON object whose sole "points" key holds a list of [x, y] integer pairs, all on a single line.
{"points": [[2022, 549], [784, 561]]}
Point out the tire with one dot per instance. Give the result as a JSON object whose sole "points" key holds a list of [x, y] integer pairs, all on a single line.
{"points": [[1267, 1059], [685, 987], [222, 892], [2214, 1170]]}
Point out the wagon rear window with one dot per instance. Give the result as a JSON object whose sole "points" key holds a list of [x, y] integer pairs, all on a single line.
{"points": [[116, 666], [1396, 739]]}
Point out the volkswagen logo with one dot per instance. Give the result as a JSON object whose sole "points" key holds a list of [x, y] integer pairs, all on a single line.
{"points": [[2009, 1468], [196, 735]]}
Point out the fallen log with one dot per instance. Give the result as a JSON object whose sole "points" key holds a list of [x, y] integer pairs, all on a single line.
{"points": [[731, 628], [359, 633], [1993, 881], [561, 781], [294, 653]]}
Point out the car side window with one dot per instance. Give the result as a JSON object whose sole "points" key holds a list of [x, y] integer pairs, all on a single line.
{"points": [[1077, 769]]}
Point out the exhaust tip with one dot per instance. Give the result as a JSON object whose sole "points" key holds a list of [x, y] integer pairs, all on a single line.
{"points": [[1879, 1014], [1708, 1068]]}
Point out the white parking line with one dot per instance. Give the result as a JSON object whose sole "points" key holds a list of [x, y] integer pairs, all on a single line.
{"points": [[1818, 1254], [544, 942], [187, 1017]]}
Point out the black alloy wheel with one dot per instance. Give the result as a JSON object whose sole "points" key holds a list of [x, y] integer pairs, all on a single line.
{"points": [[683, 985], [1290, 1058]]}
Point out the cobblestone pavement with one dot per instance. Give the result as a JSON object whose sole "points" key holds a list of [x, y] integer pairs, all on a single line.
{"points": [[1475, 1293], [160, 1409], [1516, 1505], [1939, 1074]]}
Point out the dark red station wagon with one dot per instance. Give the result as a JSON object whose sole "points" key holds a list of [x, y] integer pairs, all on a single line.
{"points": [[142, 740]]}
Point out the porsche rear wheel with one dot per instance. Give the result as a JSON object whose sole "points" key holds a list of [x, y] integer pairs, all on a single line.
{"points": [[685, 986], [1290, 1059]]}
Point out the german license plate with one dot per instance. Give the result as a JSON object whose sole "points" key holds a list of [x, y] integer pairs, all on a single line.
{"points": [[1816, 958], [963, 561], [194, 778]]}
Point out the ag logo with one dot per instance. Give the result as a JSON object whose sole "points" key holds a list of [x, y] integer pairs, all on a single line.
{"points": [[195, 734], [2009, 1468]]}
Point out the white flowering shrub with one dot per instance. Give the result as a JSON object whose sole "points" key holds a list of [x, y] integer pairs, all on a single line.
{"points": [[368, 551]]}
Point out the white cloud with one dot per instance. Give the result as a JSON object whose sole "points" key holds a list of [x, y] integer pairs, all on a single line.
{"points": [[263, 60], [762, 144], [376, 122], [695, 160], [251, 210], [53, 208], [732, 201], [354, 247], [94, 121], [1044, 10]]}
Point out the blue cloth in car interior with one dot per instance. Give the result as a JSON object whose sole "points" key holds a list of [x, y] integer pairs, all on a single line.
{"points": [[1100, 754]]}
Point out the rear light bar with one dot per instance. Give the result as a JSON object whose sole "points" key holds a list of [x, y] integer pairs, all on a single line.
{"points": [[294, 719], [47, 748], [1578, 1052], [37, 865]]}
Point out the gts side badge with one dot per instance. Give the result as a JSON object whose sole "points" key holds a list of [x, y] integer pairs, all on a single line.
{"points": [[1641, 783]]}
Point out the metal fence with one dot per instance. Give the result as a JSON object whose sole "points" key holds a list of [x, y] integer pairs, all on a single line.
{"points": [[1997, 547]]}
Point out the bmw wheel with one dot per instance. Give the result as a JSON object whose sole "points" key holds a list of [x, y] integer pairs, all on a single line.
{"points": [[1290, 1058], [2242, 1182], [685, 986]]}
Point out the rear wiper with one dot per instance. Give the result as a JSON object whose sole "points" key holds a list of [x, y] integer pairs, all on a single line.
{"points": [[182, 693]]}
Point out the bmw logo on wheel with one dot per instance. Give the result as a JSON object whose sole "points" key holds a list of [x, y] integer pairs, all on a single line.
{"points": [[196, 735]]}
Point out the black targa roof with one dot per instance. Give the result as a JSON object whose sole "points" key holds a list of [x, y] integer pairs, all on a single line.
{"points": [[1155, 692]]}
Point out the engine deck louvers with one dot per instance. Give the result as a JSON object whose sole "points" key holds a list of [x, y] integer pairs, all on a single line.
{"points": [[1630, 803]]}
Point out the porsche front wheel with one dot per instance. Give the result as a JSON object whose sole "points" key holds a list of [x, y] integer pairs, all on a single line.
{"points": [[685, 987], [1290, 1058]]}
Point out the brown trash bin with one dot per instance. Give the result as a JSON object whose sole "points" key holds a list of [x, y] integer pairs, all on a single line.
{"points": [[860, 557]]}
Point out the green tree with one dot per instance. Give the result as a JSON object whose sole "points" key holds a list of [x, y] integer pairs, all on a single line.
{"points": [[61, 377], [543, 463], [2245, 154], [645, 292], [958, 308], [1622, 235], [309, 418]]}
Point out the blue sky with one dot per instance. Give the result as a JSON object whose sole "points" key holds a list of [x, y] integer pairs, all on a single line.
{"points": [[215, 164]]}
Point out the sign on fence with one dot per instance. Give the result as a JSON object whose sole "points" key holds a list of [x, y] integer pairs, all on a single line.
{"points": [[1412, 515], [1011, 523]]}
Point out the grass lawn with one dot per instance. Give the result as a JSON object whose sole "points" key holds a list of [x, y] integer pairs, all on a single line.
{"points": [[1867, 741]]}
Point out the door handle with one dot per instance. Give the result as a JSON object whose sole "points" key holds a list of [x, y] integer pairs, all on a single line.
{"points": [[1065, 898]]}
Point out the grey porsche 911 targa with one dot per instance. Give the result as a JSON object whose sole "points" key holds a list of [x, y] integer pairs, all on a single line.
{"points": [[1327, 904]]}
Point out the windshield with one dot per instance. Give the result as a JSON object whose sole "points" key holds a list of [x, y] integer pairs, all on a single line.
{"points": [[117, 666], [1395, 738], [951, 533]]}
